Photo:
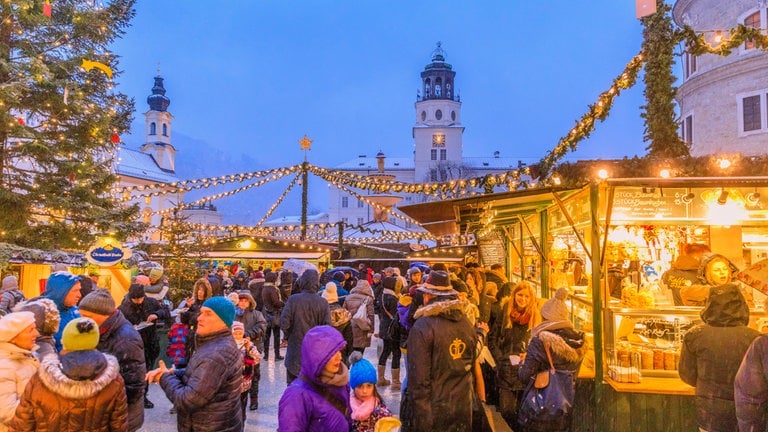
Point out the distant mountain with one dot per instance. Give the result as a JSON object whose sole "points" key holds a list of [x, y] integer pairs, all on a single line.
{"points": [[197, 159]]}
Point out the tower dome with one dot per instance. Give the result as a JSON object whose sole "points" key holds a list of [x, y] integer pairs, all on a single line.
{"points": [[437, 77], [158, 101]]}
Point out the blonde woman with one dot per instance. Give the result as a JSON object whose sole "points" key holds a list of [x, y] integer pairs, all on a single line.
{"points": [[508, 341]]}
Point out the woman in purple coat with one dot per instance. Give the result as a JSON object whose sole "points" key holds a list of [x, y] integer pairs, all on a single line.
{"points": [[319, 399]]}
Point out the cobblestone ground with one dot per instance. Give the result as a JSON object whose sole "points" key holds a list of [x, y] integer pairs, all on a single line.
{"points": [[271, 387]]}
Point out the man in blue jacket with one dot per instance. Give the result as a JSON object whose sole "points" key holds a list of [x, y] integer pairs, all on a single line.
{"points": [[64, 289]]}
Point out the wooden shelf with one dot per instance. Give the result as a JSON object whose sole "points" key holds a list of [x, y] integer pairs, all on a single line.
{"points": [[670, 386]]}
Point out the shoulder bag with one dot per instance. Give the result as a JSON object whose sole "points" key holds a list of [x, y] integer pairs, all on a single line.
{"points": [[360, 318], [551, 406]]}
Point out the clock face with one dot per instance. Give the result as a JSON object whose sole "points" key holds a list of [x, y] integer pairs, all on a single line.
{"points": [[453, 115], [423, 115], [438, 114]]}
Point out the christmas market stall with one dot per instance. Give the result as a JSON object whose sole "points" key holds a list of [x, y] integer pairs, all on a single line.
{"points": [[255, 251], [610, 243]]}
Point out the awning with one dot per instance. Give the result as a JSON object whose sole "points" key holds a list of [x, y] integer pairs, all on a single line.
{"points": [[453, 216]]}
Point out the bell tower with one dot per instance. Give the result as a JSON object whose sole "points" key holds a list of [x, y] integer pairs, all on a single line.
{"points": [[157, 141], [438, 131]]}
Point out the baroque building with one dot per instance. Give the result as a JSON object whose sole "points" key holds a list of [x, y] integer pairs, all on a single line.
{"points": [[723, 101]]}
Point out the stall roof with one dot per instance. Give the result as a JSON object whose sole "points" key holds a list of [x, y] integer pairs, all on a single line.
{"points": [[451, 216], [266, 255], [687, 181]]}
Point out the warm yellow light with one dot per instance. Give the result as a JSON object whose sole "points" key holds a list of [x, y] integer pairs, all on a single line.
{"points": [[602, 173], [718, 36], [665, 173], [724, 163]]}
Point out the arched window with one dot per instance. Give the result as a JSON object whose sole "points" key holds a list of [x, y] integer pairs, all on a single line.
{"points": [[152, 128], [427, 88], [165, 129], [753, 21]]}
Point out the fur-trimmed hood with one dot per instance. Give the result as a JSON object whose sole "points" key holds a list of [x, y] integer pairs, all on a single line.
{"points": [[52, 374], [563, 348], [451, 309]]}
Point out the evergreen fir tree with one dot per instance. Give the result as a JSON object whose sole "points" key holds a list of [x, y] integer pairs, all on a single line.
{"points": [[659, 115], [182, 247], [60, 123]]}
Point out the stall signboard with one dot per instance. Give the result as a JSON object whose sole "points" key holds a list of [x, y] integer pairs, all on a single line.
{"points": [[649, 203], [491, 249], [106, 254]]}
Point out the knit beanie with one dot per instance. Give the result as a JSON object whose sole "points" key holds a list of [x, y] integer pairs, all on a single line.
{"points": [[361, 372], [270, 277], [135, 291], [142, 280], [80, 334], [14, 323], [223, 308], [330, 294], [10, 282], [99, 302], [555, 309], [238, 325], [47, 317]]}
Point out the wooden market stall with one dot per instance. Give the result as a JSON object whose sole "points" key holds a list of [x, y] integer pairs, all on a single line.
{"points": [[609, 243], [266, 252]]}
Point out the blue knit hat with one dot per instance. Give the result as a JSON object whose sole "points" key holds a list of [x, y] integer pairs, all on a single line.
{"points": [[361, 372], [222, 307]]}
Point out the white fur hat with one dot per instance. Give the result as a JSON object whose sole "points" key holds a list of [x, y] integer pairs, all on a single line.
{"points": [[14, 323]]}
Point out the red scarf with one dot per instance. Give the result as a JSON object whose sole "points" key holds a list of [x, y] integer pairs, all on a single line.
{"points": [[521, 318]]}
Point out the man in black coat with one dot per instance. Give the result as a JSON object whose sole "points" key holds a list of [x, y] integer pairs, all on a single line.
{"points": [[120, 339], [207, 392], [144, 312], [302, 311]]}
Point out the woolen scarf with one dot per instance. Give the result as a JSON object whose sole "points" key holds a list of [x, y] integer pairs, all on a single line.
{"points": [[361, 410]]}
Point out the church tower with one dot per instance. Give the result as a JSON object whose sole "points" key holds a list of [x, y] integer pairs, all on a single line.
{"points": [[157, 142], [438, 130]]}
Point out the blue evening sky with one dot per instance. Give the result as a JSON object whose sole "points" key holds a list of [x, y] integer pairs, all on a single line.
{"points": [[249, 78]]}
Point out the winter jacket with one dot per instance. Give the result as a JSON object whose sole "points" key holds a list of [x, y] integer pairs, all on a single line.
{"points": [[17, 366], [66, 314], [255, 325], [682, 273], [341, 320], [138, 313], [504, 342], [255, 286], [361, 294], [9, 299], [121, 340], [388, 304], [79, 391], [567, 348], [207, 392], [711, 355], [273, 303], [751, 388], [301, 407], [441, 353], [302, 311]]}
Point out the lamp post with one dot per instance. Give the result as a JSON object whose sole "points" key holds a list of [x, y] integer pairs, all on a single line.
{"points": [[305, 145]]}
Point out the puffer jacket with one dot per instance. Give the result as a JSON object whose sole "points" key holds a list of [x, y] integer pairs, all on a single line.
{"points": [[361, 294], [254, 323], [207, 393], [506, 341], [138, 313], [683, 273], [120, 339], [751, 388], [441, 353], [66, 314], [79, 391], [712, 353], [17, 366], [302, 311], [388, 311], [301, 408]]}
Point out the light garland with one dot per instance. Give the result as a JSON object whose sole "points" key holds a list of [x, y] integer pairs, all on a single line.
{"points": [[279, 200], [724, 41], [389, 210], [597, 111]]}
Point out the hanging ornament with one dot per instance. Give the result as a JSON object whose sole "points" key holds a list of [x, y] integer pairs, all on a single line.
{"points": [[20, 120], [89, 64], [115, 139], [71, 177], [47, 8]]}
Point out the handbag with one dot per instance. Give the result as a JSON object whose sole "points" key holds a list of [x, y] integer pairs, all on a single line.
{"points": [[392, 331], [360, 318], [542, 378], [549, 407]]}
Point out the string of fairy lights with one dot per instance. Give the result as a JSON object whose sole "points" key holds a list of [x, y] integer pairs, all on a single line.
{"points": [[279, 200]]}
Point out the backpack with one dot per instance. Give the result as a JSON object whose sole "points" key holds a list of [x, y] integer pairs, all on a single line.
{"points": [[249, 366], [11, 298], [177, 343]]}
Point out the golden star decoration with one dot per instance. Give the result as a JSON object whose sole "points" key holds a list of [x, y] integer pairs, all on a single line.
{"points": [[305, 143]]}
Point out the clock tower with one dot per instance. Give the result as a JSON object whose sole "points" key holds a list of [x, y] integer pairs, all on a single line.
{"points": [[438, 131]]}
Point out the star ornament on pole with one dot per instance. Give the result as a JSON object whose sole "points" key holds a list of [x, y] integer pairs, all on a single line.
{"points": [[306, 143]]}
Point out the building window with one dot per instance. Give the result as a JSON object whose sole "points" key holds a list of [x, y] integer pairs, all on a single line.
{"points": [[152, 128], [443, 175], [686, 130], [165, 129], [751, 113], [438, 113], [344, 202], [360, 203], [344, 220], [438, 140], [432, 175], [433, 154], [360, 221], [443, 154], [689, 64], [753, 21]]}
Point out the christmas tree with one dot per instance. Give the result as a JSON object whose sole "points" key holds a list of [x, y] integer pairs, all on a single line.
{"points": [[60, 122]]}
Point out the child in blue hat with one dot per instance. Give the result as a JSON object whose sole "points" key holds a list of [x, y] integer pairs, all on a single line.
{"points": [[365, 401]]}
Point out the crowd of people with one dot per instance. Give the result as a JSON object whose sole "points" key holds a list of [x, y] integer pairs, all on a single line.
{"points": [[455, 338]]}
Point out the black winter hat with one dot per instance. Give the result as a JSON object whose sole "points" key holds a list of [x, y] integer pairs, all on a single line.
{"points": [[270, 277]]}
